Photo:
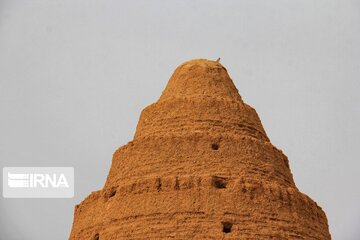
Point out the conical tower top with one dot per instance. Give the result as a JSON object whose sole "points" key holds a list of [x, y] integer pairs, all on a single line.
{"points": [[200, 98], [200, 78], [200, 166]]}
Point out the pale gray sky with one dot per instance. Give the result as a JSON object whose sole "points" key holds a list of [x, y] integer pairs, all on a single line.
{"points": [[74, 76]]}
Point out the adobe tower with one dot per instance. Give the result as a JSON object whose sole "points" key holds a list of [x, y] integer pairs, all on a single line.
{"points": [[200, 166]]}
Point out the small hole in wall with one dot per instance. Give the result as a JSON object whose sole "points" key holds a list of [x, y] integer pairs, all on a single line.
{"points": [[112, 193], [177, 184], [96, 236], [219, 182], [158, 184], [227, 227], [214, 146]]}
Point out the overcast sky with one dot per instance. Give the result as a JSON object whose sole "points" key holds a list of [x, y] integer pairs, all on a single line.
{"points": [[75, 75]]}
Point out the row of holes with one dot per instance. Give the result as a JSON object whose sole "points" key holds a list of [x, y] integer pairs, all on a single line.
{"points": [[226, 229], [217, 182]]}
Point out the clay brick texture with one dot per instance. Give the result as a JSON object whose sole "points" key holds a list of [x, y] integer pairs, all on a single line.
{"points": [[200, 166]]}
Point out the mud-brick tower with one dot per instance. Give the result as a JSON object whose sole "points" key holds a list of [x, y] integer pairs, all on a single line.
{"points": [[200, 166]]}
